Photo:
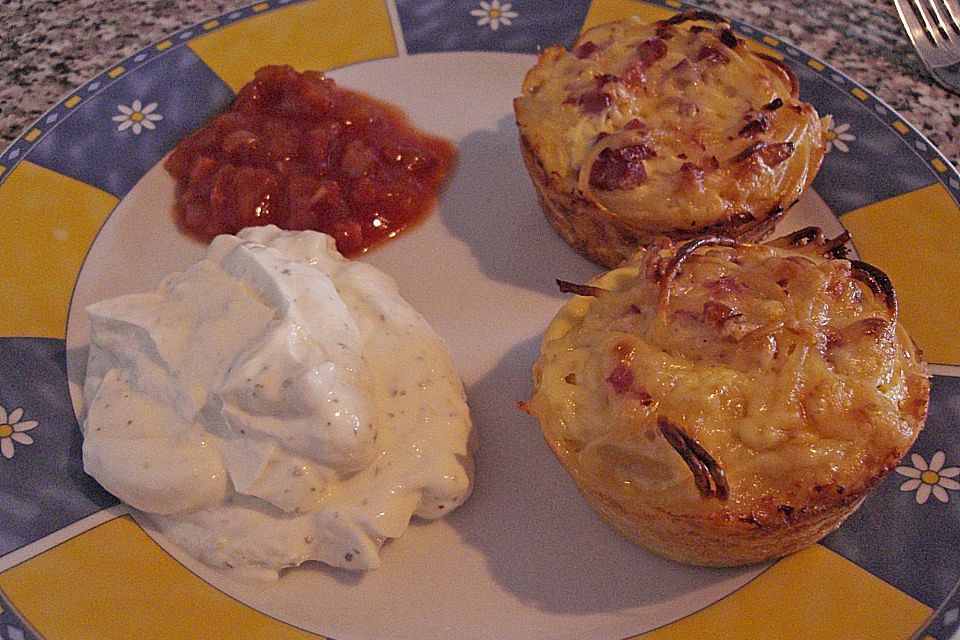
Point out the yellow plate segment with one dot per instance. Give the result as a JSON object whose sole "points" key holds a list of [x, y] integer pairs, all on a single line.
{"points": [[602, 11], [114, 583], [315, 35], [915, 239], [815, 595], [49, 222]]}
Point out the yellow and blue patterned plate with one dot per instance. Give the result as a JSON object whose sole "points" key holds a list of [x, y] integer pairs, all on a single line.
{"points": [[85, 212]]}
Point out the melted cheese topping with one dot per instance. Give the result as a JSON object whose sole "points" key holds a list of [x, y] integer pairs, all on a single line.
{"points": [[693, 102], [275, 403], [787, 370]]}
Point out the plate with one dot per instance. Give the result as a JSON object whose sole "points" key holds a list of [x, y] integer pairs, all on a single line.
{"points": [[86, 212]]}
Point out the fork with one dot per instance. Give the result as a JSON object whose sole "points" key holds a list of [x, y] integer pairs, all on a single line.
{"points": [[934, 29]]}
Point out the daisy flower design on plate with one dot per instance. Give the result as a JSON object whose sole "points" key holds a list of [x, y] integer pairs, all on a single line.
{"points": [[838, 135], [930, 478], [137, 117], [494, 14], [12, 430]]}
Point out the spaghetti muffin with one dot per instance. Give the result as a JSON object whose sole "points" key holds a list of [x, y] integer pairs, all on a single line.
{"points": [[669, 129], [724, 403]]}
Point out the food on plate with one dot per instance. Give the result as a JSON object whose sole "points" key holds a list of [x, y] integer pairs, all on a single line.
{"points": [[275, 403], [672, 129], [299, 152], [724, 403]]}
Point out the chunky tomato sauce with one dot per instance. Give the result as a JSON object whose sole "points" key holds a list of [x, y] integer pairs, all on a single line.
{"points": [[296, 151]]}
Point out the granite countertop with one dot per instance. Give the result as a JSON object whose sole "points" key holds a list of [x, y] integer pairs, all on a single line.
{"points": [[49, 47]]}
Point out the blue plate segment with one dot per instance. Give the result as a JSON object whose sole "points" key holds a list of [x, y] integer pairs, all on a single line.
{"points": [[469, 25], [42, 484], [906, 532], [114, 138], [12, 626], [860, 167]]}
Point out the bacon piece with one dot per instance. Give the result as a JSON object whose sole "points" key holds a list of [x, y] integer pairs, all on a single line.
{"points": [[620, 168], [756, 125], [725, 285], [711, 54], [774, 154], [692, 173], [585, 49], [593, 101], [636, 125], [717, 313], [866, 327], [853, 332], [680, 69], [635, 74], [770, 153], [664, 31], [747, 152], [683, 74], [651, 50], [621, 378]]}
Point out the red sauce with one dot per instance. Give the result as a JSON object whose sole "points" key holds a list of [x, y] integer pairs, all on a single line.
{"points": [[296, 151]]}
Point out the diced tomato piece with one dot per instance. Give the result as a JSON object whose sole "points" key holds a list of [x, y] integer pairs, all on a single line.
{"points": [[202, 174], [241, 147], [348, 234], [358, 159], [244, 197], [296, 151]]}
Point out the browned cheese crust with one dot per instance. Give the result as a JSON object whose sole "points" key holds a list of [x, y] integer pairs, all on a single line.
{"points": [[671, 129], [724, 403]]}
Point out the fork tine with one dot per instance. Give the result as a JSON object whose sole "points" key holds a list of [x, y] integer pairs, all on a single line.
{"points": [[931, 31], [909, 18], [935, 33], [938, 14], [953, 8], [950, 43]]}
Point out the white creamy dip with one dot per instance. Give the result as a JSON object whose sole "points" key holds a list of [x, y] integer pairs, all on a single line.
{"points": [[275, 403]]}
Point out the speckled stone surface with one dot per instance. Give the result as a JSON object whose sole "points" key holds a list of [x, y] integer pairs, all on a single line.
{"points": [[47, 48]]}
